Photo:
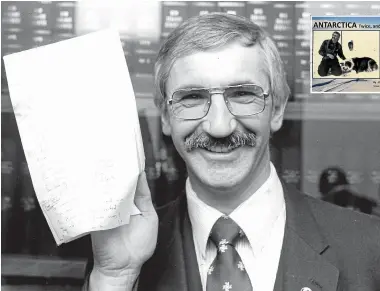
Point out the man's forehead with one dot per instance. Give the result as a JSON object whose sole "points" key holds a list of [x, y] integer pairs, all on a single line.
{"points": [[220, 67]]}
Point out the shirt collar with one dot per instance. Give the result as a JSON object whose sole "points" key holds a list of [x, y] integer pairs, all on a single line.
{"points": [[255, 216], [202, 218]]}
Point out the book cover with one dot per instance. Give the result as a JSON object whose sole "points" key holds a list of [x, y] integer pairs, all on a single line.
{"points": [[201, 7], [13, 16], [236, 8], [63, 17], [277, 19], [9, 173], [173, 14], [40, 18], [143, 56]]}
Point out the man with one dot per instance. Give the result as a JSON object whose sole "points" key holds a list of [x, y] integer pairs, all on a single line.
{"points": [[222, 91], [329, 50]]}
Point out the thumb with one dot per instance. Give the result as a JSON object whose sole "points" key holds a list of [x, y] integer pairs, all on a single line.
{"points": [[143, 197]]}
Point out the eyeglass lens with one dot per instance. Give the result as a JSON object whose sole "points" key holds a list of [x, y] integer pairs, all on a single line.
{"points": [[241, 100]]}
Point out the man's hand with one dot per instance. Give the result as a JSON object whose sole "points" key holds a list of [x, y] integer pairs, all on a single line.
{"points": [[330, 56], [119, 253]]}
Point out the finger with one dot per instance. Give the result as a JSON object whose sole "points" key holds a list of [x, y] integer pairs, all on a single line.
{"points": [[143, 197], [142, 188]]}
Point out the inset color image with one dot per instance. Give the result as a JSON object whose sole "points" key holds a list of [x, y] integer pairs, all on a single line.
{"points": [[345, 54]]}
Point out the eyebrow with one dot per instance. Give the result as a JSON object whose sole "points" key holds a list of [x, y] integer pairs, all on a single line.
{"points": [[197, 86]]}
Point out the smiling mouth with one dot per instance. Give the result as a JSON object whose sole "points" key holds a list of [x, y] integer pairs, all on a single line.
{"points": [[220, 149]]}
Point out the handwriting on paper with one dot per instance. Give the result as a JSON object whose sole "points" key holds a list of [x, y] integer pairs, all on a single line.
{"points": [[76, 113]]}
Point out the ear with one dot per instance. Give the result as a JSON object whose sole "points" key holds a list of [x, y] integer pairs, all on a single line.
{"points": [[165, 122], [277, 116]]}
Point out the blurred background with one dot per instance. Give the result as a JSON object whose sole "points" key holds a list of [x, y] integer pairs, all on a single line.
{"points": [[328, 146]]}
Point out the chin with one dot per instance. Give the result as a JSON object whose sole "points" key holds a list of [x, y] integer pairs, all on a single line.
{"points": [[222, 174], [225, 178]]}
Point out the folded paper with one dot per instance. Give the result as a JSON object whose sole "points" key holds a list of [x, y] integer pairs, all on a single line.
{"points": [[76, 113]]}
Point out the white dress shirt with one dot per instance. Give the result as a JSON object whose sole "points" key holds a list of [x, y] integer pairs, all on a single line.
{"points": [[262, 219]]}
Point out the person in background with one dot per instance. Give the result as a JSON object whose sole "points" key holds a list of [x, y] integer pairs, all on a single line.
{"points": [[222, 92], [334, 187], [329, 50]]}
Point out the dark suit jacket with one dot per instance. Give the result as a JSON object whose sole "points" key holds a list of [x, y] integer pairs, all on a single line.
{"points": [[325, 247], [323, 51]]}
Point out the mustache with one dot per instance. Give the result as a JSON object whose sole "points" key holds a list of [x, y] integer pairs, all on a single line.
{"points": [[205, 141]]}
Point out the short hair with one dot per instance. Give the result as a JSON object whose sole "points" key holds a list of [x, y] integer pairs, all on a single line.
{"points": [[212, 31], [335, 32]]}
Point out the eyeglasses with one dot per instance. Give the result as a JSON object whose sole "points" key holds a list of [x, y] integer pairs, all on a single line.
{"points": [[241, 100]]}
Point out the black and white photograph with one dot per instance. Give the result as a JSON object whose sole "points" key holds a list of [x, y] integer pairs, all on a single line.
{"points": [[177, 145]]}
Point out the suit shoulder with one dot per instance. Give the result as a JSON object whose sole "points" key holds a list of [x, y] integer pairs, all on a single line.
{"points": [[344, 224], [353, 239]]}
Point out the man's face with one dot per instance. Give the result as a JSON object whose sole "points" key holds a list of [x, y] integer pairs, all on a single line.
{"points": [[230, 65], [335, 37]]}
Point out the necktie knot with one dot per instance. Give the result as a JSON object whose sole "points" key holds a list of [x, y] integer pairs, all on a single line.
{"points": [[225, 231]]}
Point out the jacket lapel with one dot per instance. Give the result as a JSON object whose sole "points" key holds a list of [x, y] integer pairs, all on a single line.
{"points": [[165, 270], [175, 260], [171, 262], [191, 263], [306, 256]]}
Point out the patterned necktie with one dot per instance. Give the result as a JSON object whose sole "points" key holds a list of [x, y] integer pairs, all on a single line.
{"points": [[227, 272]]}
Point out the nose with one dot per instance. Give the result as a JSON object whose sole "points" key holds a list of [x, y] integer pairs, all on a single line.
{"points": [[219, 122]]}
